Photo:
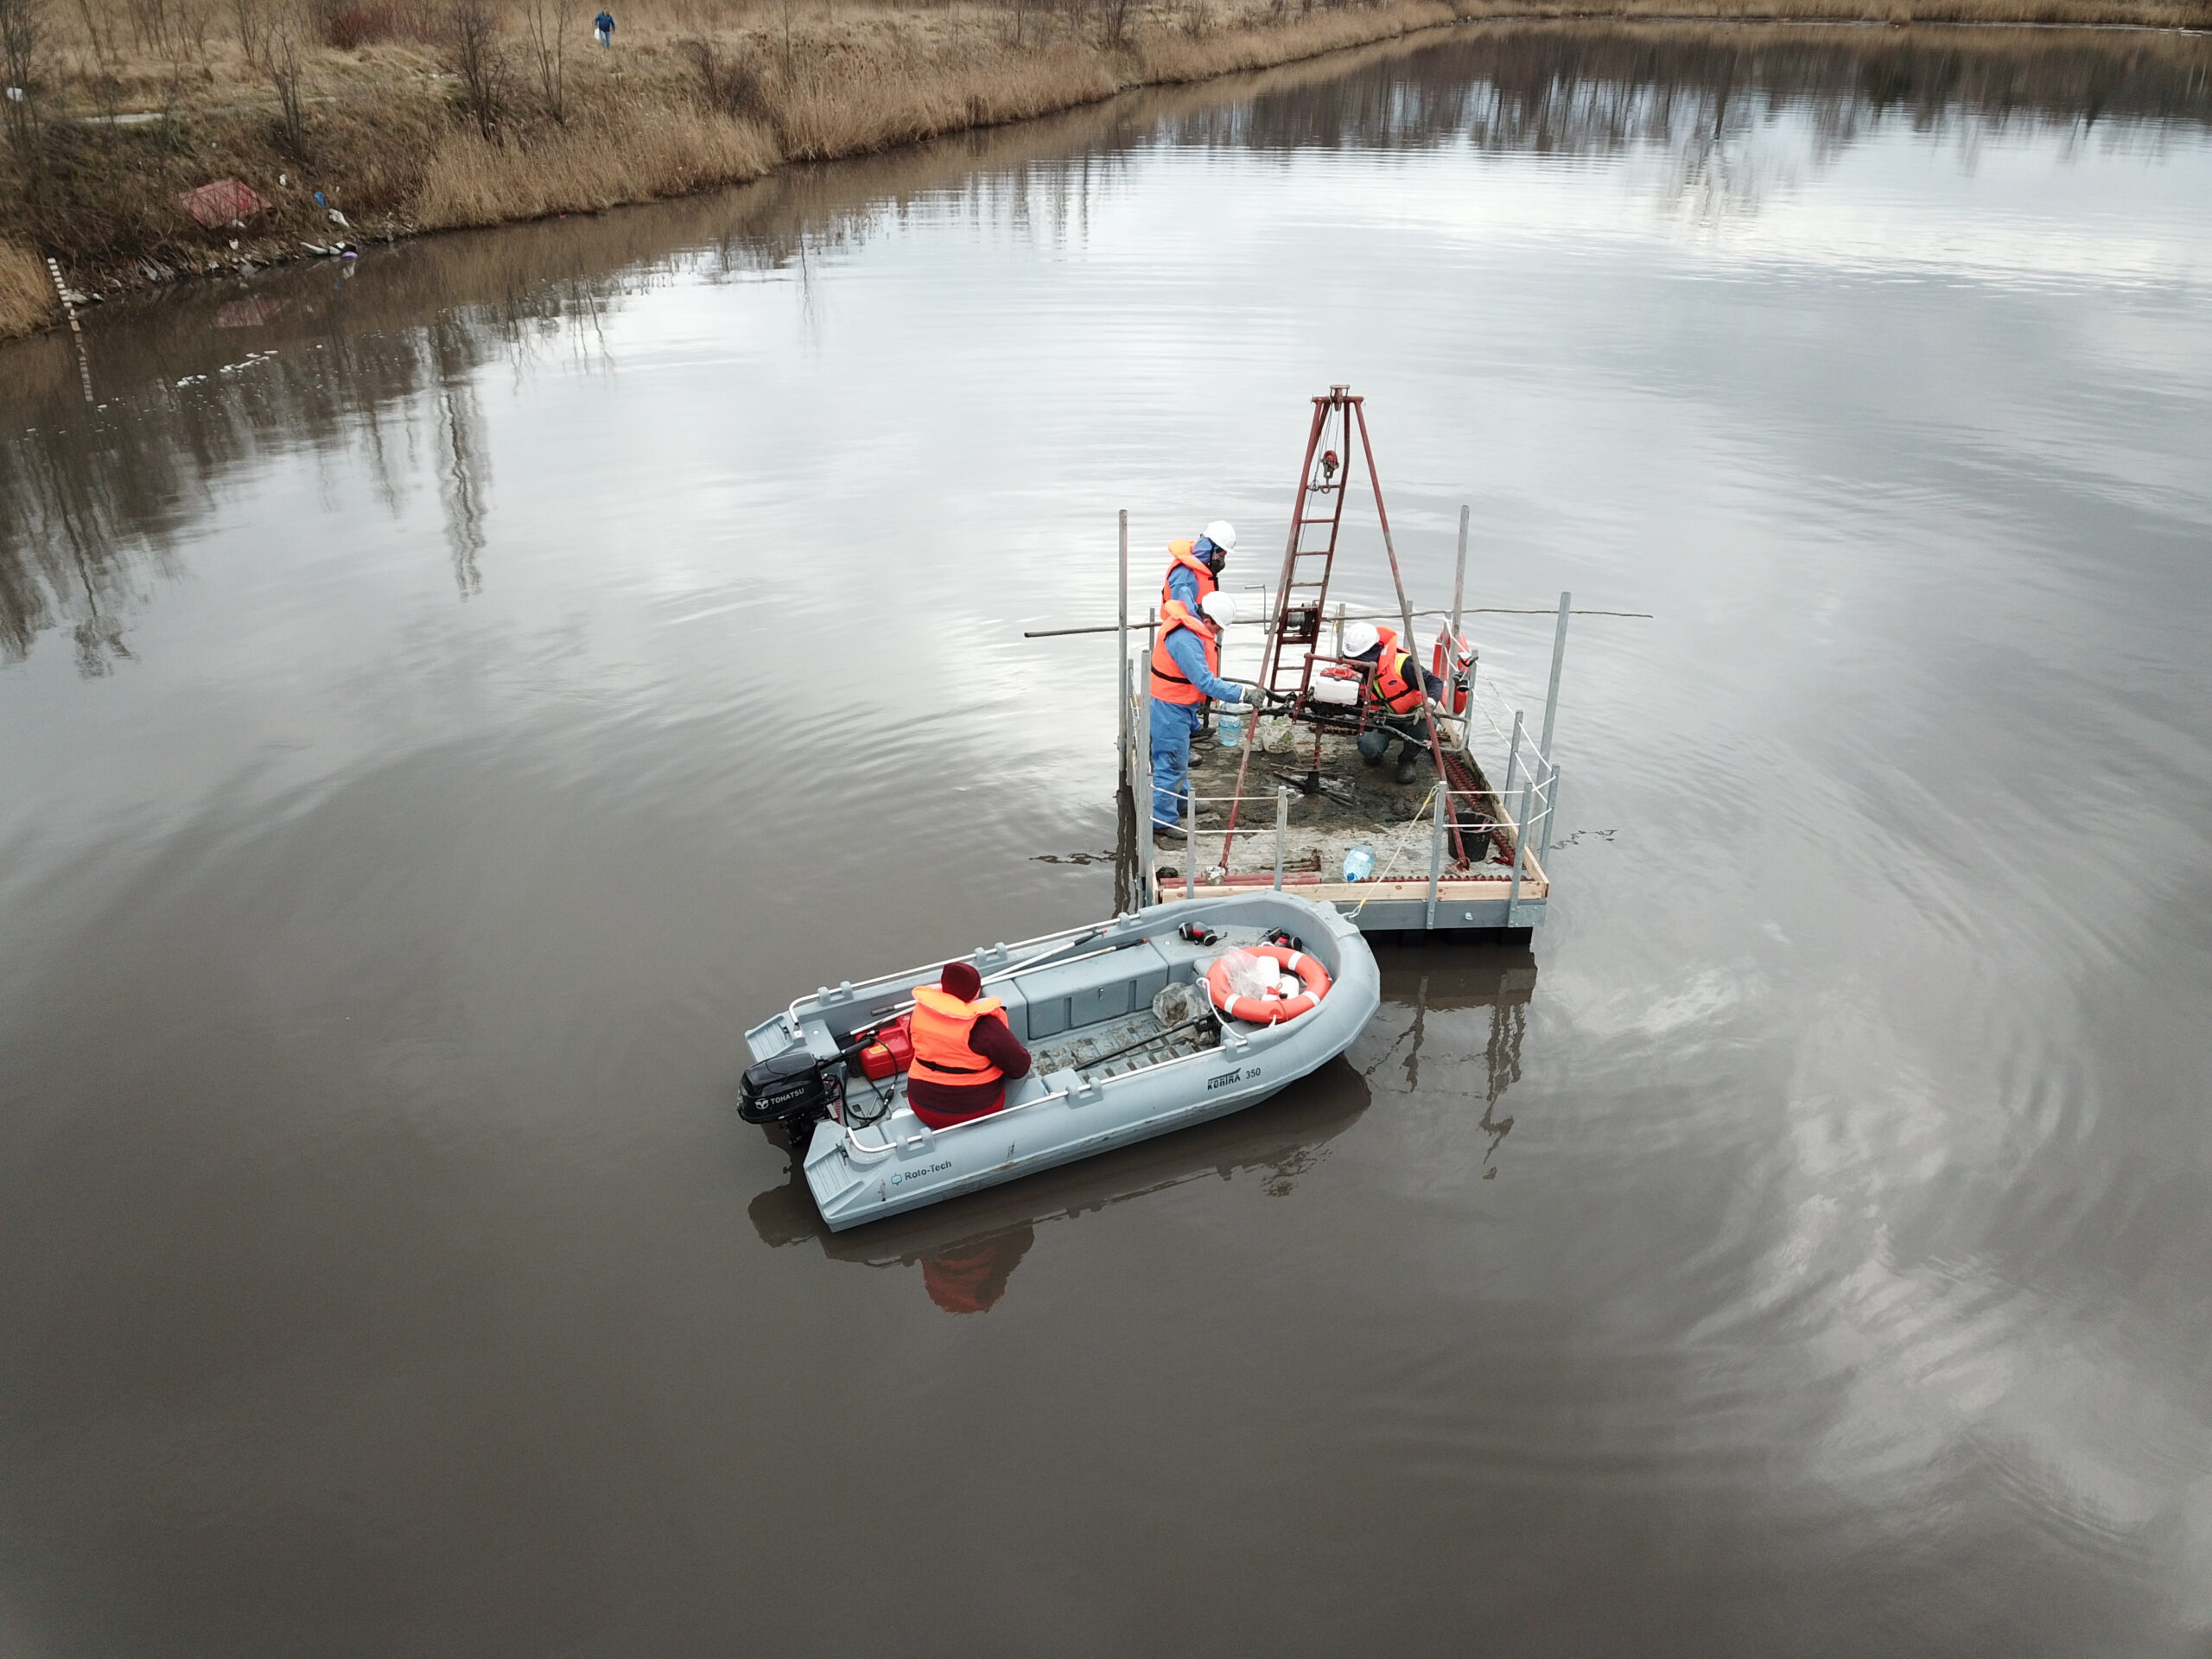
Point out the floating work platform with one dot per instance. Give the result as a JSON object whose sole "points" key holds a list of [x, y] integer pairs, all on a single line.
{"points": [[1457, 849], [1446, 861]]}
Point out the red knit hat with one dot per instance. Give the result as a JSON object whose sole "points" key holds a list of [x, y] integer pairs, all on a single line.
{"points": [[960, 979]]}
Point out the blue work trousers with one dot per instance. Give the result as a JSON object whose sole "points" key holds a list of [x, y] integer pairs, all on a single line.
{"points": [[1173, 725]]}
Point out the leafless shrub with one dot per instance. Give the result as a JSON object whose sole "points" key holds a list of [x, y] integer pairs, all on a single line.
{"points": [[729, 83], [174, 30], [249, 19], [1114, 22], [348, 28], [280, 50], [23, 54], [547, 23], [99, 21], [477, 56]]}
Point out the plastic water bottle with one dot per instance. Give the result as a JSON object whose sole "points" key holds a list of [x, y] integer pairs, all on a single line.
{"points": [[1359, 862], [1230, 730]]}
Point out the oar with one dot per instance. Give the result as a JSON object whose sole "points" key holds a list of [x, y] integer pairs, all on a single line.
{"points": [[1059, 954]]}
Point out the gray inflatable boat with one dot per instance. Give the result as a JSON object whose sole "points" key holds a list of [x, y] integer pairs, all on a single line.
{"points": [[1128, 1040]]}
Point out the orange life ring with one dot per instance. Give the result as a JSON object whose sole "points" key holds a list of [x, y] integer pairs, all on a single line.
{"points": [[1271, 1010]]}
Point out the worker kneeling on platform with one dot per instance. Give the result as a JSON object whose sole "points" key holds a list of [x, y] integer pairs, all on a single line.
{"points": [[1186, 673], [1395, 688], [1194, 566], [965, 1051]]}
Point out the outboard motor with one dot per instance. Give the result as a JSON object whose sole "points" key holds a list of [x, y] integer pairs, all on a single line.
{"points": [[793, 1089]]}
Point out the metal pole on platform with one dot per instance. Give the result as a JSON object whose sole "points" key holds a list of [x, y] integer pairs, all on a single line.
{"points": [[1459, 570], [1513, 892], [1121, 640], [1436, 849], [1147, 859], [1339, 650], [1551, 808], [1190, 840], [1512, 768], [1514, 815], [1559, 658], [1282, 829]]}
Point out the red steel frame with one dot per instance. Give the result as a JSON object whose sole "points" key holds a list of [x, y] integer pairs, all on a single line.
{"points": [[1300, 624]]}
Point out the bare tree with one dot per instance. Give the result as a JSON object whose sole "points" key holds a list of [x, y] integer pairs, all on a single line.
{"points": [[251, 19], [177, 32], [100, 76], [547, 23], [22, 52], [280, 40], [473, 41]]}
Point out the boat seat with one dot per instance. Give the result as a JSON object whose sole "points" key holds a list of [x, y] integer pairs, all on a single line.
{"points": [[1055, 1000]]}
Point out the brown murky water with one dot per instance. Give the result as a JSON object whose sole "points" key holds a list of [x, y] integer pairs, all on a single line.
{"points": [[447, 699]]}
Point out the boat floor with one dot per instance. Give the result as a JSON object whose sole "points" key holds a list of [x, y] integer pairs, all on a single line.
{"points": [[1079, 1050]]}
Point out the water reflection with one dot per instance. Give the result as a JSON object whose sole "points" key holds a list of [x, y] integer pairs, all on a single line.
{"points": [[93, 499], [968, 1249], [1420, 980]]}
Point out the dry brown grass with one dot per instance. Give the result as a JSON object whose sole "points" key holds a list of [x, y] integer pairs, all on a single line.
{"points": [[699, 93], [847, 104], [1177, 55], [2152, 14], [26, 296], [623, 156]]}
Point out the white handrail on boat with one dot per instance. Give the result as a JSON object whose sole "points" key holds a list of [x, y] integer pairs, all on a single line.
{"points": [[853, 992], [873, 1154]]}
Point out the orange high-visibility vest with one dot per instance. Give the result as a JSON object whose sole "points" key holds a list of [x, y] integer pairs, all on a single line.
{"points": [[1393, 687], [1167, 682], [939, 1026], [1183, 553]]}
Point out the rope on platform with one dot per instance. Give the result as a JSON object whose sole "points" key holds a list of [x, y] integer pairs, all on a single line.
{"points": [[1398, 846]]}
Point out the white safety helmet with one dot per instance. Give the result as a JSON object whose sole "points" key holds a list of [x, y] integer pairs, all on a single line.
{"points": [[1223, 535], [1360, 638], [1220, 608]]}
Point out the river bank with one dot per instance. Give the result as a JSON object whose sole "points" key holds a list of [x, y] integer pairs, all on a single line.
{"points": [[387, 121]]}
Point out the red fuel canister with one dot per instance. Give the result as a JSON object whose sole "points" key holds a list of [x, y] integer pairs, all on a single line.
{"points": [[893, 1051], [1452, 661]]}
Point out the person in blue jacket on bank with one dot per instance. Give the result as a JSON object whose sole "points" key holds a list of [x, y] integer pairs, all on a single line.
{"points": [[603, 26], [1185, 676]]}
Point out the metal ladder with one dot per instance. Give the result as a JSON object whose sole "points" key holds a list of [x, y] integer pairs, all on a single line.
{"points": [[1301, 598]]}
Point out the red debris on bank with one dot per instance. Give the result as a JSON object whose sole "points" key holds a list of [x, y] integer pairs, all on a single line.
{"points": [[223, 202]]}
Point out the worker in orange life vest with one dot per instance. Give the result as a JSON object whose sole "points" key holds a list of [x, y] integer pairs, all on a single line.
{"points": [[1194, 567], [965, 1051], [1186, 673], [1393, 691]]}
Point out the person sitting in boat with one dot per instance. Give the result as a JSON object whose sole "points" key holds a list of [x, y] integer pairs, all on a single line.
{"points": [[1393, 689], [1194, 566], [1185, 672], [965, 1051]]}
